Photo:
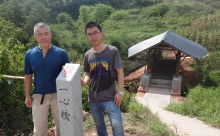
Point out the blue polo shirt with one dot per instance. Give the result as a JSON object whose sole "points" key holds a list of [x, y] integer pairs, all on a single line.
{"points": [[45, 69]]}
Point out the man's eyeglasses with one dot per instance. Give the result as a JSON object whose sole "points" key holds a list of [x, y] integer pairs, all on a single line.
{"points": [[94, 34]]}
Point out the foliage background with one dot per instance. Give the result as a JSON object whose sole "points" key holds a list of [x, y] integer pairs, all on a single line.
{"points": [[124, 22]]}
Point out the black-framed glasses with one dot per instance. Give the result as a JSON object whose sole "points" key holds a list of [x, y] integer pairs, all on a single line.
{"points": [[94, 34]]}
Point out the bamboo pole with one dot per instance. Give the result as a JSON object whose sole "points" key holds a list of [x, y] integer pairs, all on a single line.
{"points": [[14, 77]]}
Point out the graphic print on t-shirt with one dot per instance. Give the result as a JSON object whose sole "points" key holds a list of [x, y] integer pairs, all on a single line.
{"points": [[99, 67], [100, 75]]}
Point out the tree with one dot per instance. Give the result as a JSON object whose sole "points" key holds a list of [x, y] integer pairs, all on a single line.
{"points": [[66, 20], [11, 11], [12, 91], [102, 12], [34, 12]]}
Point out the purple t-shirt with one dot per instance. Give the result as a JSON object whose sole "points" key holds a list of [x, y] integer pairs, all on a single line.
{"points": [[102, 67]]}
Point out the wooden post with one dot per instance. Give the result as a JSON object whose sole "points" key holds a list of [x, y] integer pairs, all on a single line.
{"points": [[178, 63]]}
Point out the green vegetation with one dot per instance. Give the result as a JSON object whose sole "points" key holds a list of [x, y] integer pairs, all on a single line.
{"points": [[125, 23], [208, 69], [202, 103]]}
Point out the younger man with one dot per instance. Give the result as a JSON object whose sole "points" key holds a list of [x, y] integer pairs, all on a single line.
{"points": [[102, 63]]}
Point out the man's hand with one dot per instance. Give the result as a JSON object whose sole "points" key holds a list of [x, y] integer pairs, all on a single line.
{"points": [[86, 79], [27, 84], [28, 101], [118, 99], [83, 83]]}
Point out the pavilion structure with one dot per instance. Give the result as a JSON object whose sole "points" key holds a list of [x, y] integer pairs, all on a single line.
{"points": [[166, 70]]}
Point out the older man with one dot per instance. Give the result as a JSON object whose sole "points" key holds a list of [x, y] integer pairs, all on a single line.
{"points": [[45, 62]]}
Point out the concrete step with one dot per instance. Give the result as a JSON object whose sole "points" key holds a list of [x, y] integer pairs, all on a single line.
{"points": [[161, 81], [160, 86]]}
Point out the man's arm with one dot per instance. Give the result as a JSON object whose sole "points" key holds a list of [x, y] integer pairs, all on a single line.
{"points": [[118, 97], [27, 85], [120, 74], [86, 79]]}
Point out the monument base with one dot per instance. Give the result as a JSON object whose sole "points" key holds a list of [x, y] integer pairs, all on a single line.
{"points": [[145, 80], [142, 89], [175, 92], [176, 85]]}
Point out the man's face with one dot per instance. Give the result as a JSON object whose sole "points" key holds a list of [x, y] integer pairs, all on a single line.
{"points": [[43, 37], [94, 36]]}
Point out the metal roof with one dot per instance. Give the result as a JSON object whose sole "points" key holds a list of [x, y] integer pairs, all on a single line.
{"points": [[185, 45]]}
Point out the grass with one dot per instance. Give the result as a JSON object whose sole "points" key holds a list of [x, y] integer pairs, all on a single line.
{"points": [[202, 103], [138, 121]]}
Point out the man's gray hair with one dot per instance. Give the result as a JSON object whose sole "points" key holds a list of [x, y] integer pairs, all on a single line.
{"points": [[40, 25]]}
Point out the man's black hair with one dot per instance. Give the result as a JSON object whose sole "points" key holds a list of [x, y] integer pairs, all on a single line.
{"points": [[92, 24]]}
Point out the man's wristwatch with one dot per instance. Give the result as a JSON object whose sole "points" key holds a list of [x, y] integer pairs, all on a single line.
{"points": [[120, 92]]}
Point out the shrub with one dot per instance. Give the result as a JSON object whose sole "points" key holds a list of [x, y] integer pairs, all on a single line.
{"points": [[126, 100], [155, 10], [213, 78], [182, 9], [15, 117], [208, 69], [85, 104], [119, 15]]}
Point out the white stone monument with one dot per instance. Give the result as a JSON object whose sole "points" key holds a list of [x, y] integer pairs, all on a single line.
{"points": [[69, 97]]}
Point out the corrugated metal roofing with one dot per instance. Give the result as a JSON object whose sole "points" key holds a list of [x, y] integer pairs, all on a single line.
{"points": [[183, 44]]}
